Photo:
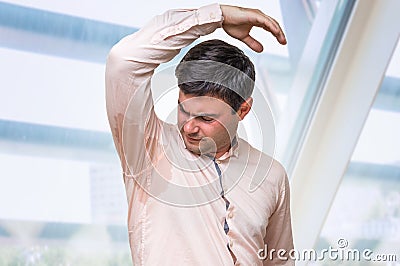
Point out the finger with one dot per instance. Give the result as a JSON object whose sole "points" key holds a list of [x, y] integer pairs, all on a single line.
{"points": [[280, 35], [271, 25], [253, 44]]}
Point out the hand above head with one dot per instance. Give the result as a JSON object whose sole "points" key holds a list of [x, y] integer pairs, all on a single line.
{"points": [[238, 21]]}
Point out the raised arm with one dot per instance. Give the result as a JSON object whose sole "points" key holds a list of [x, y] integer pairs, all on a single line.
{"points": [[130, 66]]}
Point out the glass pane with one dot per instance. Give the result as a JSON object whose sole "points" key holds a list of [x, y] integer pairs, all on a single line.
{"points": [[366, 209]]}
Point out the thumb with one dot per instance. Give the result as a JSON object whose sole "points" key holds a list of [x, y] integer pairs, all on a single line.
{"points": [[253, 43]]}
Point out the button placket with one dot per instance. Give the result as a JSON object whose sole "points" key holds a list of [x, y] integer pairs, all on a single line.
{"points": [[230, 242], [229, 214]]}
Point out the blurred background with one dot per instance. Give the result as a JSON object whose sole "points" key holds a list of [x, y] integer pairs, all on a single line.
{"points": [[334, 92]]}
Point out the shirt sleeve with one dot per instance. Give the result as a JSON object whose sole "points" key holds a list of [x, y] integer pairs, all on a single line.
{"points": [[279, 230], [129, 68]]}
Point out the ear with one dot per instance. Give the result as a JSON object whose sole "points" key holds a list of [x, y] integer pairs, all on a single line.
{"points": [[245, 108]]}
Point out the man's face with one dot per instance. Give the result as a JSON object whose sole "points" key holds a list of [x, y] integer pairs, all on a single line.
{"points": [[207, 124]]}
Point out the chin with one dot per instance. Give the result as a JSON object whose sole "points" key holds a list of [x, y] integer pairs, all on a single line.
{"points": [[194, 150]]}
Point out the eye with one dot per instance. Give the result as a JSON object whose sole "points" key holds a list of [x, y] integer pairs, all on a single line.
{"points": [[206, 118], [183, 111]]}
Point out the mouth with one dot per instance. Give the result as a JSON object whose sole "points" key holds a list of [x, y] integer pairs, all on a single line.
{"points": [[192, 140]]}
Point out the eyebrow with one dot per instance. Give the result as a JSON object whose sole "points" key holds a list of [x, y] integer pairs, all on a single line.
{"points": [[197, 115]]}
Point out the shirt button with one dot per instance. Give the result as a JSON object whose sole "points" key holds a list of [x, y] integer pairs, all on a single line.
{"points": [[230, 215], [212, 15], [218, 162], [230, 243]]}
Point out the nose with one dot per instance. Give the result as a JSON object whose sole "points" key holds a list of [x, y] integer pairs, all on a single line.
{"points": [[191, 126]]}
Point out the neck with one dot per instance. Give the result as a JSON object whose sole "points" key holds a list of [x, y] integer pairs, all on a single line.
{"points": [[219, 154], [225, 149]]}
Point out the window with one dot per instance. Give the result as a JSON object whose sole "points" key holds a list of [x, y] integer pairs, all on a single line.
{"points": [[366, 208], [62, 197]]}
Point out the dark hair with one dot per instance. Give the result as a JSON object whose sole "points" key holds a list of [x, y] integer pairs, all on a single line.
{"points": [[217, 69]]}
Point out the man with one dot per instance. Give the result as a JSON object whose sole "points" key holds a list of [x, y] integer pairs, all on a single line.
{"points": [[188, 184]]}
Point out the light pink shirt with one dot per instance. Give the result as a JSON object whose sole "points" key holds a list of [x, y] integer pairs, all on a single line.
{"points": [[176, 214]]}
